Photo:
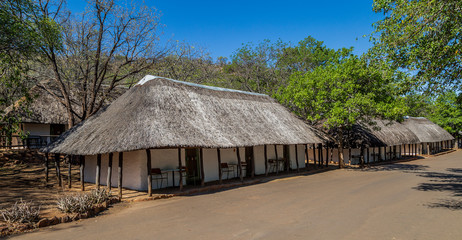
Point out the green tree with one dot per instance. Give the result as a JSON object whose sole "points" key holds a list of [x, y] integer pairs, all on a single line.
{"points": [[418, 104], [19, 43], [447, 112], [344, 93], [423, 37]]}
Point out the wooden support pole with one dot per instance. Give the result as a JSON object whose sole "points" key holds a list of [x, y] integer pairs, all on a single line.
{"points": [[394, 152], [239, 164], [82, 173], [180, 167], [58, 170], [349, 154], [404, 152], [109, 172], [252, 163], [373, 154], [148, 170], [321, 157], [266, 160], [296, 158], [220, 174], [287, 162], [46, 167], [314, 156], [201, 159], [368, 156], [307, 164], [98, 170], [277, 158], [327, 155], [120, 174], [69, 172]]}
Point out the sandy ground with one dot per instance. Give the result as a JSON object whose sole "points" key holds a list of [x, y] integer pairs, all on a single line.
{"points": [[413, 200]]}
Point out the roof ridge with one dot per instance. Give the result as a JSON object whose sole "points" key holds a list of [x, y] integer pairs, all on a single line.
{"points": [[148, 78]]}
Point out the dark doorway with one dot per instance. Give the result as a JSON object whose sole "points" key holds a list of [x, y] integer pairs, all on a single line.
{"points": [[192, 166], [286, 155], [248, 160]]}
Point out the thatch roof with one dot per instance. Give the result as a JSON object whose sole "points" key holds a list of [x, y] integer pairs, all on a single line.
{"points": [[166, 113], [381, 134], [43, 109], [426, 130], [46, 109]]}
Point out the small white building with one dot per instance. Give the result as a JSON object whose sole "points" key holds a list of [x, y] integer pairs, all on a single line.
{"points": [[161, 126]]}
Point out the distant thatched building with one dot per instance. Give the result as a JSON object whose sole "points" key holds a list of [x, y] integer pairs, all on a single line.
{"points": [[432, 137], [380, 140], [166, 124], [46, 117]]}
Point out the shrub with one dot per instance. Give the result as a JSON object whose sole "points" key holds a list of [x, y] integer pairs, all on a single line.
{"points": [[21, 212], [77, 203], [99, 196], [81, 203]]}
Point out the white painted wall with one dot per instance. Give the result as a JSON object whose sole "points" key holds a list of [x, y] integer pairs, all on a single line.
{"points": [[135, 173], [134, 169]]}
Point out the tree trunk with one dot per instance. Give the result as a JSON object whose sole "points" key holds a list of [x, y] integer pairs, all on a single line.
{"points": [[341, 162]]}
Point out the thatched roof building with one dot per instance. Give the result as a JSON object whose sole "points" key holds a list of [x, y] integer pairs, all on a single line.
{"points": [[426, 130], [165, 113], [46, 109], [381, 134], [43, 109]]}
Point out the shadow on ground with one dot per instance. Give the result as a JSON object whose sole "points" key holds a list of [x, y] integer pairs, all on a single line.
{"points": [[449, 182], [404, 167]]}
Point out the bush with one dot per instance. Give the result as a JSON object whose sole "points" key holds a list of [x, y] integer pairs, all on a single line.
{"points": [[81, 203], [77, 203], [21, 212], [99, 196]]}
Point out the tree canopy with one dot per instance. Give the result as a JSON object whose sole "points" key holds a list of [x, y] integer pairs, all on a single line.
{"points": [[20, 22], [423, 37], [341, 94]]}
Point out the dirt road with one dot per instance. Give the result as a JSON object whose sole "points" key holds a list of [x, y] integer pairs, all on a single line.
{"points": [[414, 200]]}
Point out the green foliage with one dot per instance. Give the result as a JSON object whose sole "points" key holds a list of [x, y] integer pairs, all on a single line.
{"points": [[341, 94], [418, 105], [447, 112], [253, 67], [20, 42], [309, 54], [423, 37], [265, 67]]}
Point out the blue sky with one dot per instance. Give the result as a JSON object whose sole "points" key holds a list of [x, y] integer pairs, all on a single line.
{"points": [[222, 26]]}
